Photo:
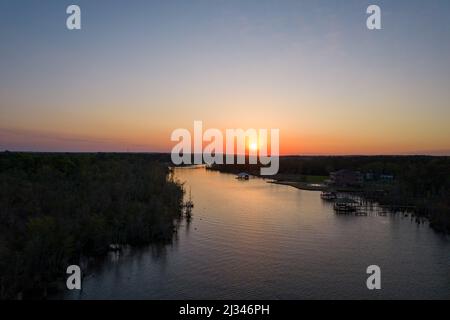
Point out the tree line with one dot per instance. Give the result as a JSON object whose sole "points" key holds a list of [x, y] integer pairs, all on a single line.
{"points": [[57, 208]]}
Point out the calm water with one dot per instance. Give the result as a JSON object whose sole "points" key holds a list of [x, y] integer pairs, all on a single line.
{"points": [[255, 240]]}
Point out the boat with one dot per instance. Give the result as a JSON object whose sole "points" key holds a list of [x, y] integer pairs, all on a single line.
{"points": [[328, 195], [243, 176], [345, 205]]}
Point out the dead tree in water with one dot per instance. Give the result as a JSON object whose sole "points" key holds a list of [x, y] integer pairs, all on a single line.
{"points": [[188, 206]]}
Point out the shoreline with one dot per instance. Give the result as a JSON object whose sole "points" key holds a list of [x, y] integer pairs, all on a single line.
{"points": [[299, 185], [308, 186]]}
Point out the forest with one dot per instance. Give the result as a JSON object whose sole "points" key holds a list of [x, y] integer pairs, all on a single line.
{"points": [[57, 208]]}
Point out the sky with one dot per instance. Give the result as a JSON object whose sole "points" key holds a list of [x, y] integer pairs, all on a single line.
{"points": [[137, 70]]}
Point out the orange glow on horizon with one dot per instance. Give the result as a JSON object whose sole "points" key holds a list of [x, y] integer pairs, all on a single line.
{"points": [[123, 137]]}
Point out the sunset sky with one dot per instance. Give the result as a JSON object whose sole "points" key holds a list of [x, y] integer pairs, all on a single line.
{"points": [[140, 69]]}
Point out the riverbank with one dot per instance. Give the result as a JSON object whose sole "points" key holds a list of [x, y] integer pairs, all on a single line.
{"points": [[254, 240], [58, 209], [422, 182], [435, 213], [308, 182]]}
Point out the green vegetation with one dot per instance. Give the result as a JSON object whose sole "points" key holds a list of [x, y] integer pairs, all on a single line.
{"points": [[300, 178], [57, 208], [315, 179]]}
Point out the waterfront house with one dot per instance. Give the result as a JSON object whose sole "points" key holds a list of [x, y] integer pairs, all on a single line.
{"points": [[374, 177], [346, 178], [387, 177]]}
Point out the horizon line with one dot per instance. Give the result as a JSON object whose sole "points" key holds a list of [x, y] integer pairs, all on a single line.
{"points": [[281, 155]]}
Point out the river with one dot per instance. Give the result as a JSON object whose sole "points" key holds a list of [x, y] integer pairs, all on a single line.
{"points": [[256, 240]]}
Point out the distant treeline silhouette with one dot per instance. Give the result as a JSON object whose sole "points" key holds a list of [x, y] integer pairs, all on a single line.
{"points": [[57, 208], [419, 181]]}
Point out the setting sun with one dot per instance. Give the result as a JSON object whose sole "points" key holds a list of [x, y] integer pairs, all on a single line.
{"points": [[253, 146]]}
